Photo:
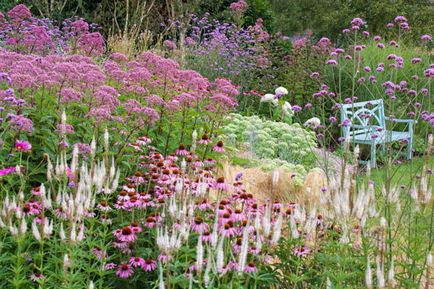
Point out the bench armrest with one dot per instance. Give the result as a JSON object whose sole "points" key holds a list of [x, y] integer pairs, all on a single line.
{"points": [[397, 120]]}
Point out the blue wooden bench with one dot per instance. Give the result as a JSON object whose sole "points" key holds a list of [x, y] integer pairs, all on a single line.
{"points": [[365, 123]]}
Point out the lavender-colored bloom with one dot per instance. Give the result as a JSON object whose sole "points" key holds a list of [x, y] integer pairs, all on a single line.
{"points": [[426, 37], [400, 19], [332, 62], [238, 176], [357, 21], [296, 108], [314, 74]]}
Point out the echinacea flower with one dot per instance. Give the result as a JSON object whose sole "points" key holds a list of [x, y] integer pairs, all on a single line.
{"points": [[301, 251], [182, 151], [126, 234], [137, 262], [251, 268], [124, 271], [110, 266], [23, 146], [228, 230], [220, 184], [204, 140], [219, 147], [198, 225], [35, 277], [103, 206], [149, 265], [150, 222]]}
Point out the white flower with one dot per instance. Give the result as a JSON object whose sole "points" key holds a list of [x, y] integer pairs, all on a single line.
{"points": [[275, 101], [313, 122], [267, 98], [281, 91], [287, 109]]}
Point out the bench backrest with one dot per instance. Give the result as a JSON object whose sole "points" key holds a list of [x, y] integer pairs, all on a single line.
{"points": [[362, 117]]}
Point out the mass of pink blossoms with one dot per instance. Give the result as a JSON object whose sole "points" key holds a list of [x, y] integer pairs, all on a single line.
{"points": [[24, 33]]}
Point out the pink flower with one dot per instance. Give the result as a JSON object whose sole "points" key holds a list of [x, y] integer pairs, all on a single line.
{"points": [[182, 151], [228, 230], [7, 171], [149, 265], [126, 234], [219, 147], [137, 262], [239, 6], [23, 146], [150, 222], [124, 271], [198, 225], [110, 266], [251, 268], [35, 277], [169, 45], [204, 140], [426, 37], [301, 251]]}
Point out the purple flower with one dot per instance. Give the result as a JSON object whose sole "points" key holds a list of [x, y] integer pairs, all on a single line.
{"points": [[400, 19], [332, 62], [296, 108], [426, 37], [314, 74], [357, 21]]}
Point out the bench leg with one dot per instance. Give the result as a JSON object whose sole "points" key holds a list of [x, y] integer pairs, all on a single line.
{"points": [[373, 160], [409, 151]]}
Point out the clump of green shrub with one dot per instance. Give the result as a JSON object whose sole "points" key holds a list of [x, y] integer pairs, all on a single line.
{"points": [[279, 143]]}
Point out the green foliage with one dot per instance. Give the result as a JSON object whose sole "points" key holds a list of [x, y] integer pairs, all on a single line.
{"points": [[329, 17], [276, 144], [259, 9]]}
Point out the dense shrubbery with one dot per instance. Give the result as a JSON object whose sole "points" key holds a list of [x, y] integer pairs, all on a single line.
{"points": [[329, 17], [273, 140]]}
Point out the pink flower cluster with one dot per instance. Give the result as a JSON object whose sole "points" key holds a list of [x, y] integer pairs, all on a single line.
{"points": [[22, 32], [239, 6], [151, 192]]}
